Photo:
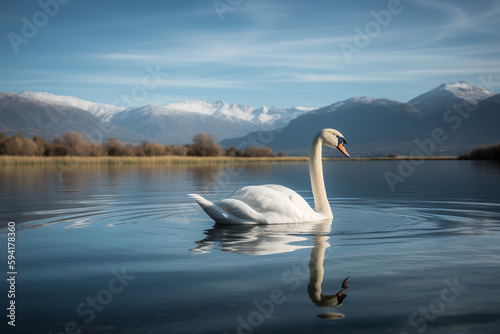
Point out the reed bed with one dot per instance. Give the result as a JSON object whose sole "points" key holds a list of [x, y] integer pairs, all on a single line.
{"points": [[399, 157], [157, 160], [174, 160]]}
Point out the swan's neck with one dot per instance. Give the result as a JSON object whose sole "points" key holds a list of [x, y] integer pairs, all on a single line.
{"points": [[321, 204]]}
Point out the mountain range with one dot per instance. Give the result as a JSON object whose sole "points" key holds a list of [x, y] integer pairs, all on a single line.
{"points": [[40, 113], [467, 115]]}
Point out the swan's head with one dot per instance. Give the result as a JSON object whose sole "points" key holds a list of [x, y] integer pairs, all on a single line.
{"points": [[334, 139]]}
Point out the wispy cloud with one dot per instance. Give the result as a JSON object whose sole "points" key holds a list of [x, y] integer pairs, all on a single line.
{"points": [[336, 78], [279, 52], [458, 21], [245, 51]]}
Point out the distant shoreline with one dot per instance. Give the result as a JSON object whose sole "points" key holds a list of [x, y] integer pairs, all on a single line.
{"points": [[180, 160]]}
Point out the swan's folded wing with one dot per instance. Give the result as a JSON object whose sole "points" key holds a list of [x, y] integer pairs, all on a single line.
{"points": [[295, 198], [265, 204], [242, 211], [248, 215]]}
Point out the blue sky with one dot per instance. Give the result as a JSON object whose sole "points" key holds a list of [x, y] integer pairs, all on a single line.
{"points": [[276, 53]]}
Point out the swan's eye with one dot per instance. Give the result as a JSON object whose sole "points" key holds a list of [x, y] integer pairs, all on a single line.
{"points": [[342, 140]]}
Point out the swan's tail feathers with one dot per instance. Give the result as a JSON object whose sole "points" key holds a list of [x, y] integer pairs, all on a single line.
{"points": [[200, 200], [210, 208]]}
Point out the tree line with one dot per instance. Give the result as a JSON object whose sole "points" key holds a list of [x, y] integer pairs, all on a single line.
{"points": [[74, 144], [489, 152]]}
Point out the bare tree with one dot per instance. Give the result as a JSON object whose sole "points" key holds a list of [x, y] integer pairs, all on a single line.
{"points": [[18, 144], [152, 149], [3, 137], [96, 150], [57, 150], [114, 147], [233, 152], [178, 150], [42, 145], [204, 145], [252, 151], [74, 141]]}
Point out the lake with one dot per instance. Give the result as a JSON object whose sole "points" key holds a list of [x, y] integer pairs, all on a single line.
{"points": [[125, 250]]}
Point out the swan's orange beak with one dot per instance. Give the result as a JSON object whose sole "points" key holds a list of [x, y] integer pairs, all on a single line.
{"points": [[341, 148]]}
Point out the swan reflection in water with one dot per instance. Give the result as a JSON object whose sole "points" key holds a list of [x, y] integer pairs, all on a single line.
{"points": [[317, 272], [277, 239]]}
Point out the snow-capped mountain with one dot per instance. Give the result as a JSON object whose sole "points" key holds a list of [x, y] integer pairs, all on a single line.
{"points": [[277, 117], [101, 110], [466, 91], [377, 127], [29, 116], [373, 126], [174, 123], [271, 117], [356, 102], [361, 120], [218, 108], [445, 95]]}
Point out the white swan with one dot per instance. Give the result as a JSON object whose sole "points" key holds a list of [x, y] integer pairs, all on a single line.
{"points": [[275, 204]]}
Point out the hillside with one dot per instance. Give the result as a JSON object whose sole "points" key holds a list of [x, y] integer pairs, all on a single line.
{"points": [[467, 116], [378, 127], [33, 117]]}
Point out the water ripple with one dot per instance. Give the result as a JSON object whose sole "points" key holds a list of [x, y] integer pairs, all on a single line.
{"points": [[110, 214], [405, 219]]}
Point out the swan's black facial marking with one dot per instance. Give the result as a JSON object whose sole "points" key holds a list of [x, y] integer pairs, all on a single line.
{"points": [[342, 140]]}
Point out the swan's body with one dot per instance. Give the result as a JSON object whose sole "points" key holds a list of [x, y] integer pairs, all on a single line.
{"points": [[265, 204], [275, 204]]}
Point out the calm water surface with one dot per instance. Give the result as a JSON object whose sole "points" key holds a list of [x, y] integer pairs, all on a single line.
{"points": [[124, 250]]}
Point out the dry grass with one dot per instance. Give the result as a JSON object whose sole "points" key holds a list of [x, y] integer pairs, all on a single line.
{"points": [[400, 157], [163, 160], [172, 160]]}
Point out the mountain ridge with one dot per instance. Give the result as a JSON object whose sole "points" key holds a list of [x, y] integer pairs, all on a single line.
{"points": [[447, 94], [218, 109], [33, 117], [174, 123], [381, 126], [373, 126]]}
